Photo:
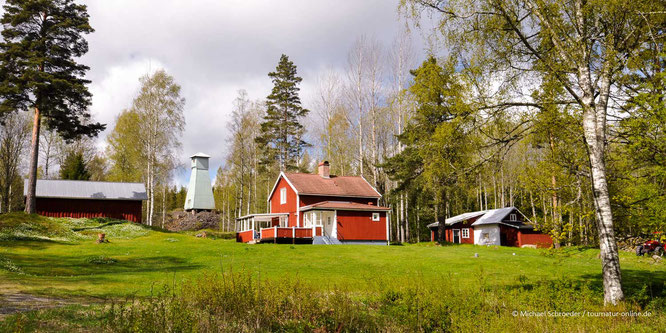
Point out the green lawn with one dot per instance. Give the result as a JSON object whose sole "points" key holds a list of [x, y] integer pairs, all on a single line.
{"points": [[70, 268], [59, 257]]}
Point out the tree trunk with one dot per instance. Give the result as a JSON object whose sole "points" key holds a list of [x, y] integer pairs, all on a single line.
{"points": [[30, 201], [610, 261]]}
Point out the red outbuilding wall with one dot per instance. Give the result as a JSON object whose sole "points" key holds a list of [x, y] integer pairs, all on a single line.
{"points": [[466, 224], [358, 225], [289, 206], [129, 210], [535, 238], [509, 236]]}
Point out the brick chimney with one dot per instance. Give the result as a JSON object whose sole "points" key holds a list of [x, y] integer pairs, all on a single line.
{"points": [[325, 169]]}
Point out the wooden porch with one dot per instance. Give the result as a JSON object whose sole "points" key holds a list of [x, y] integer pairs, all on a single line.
{"points": [[272, 228]]}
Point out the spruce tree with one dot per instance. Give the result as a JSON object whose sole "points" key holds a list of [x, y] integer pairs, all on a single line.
{"points": [[38, 71], [281, 131], [74, 167]]}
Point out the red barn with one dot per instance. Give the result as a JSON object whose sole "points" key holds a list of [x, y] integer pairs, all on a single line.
{"points": [[321, 209], [504, 226], [80, 198]]}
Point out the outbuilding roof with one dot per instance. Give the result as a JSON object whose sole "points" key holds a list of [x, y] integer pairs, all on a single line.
{"points": [[337, 186], [83, 189], [492, 216], [343, 205]]}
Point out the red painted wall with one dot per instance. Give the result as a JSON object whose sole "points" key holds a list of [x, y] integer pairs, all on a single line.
{"points": [[129, 210], [289, 206], [535, 238], [245, 236], [357, 225], [509, 236], [467, 224]]}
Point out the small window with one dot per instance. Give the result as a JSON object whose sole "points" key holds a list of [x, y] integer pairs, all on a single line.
{"points": [[375, 216], [283, 196], [465, 233], [513, 217]]}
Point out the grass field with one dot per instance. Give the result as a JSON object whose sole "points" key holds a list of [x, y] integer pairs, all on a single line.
{"points": [[60, 258]]}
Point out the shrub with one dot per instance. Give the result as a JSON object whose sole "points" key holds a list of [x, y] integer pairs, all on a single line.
{"points": [[239, 302]]}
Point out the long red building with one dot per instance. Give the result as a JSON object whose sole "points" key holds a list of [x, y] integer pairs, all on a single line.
{"points": [[319, 208], [88, 199]]}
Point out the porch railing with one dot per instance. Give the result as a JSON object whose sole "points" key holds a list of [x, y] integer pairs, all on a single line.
{"points": [[288, 232]]}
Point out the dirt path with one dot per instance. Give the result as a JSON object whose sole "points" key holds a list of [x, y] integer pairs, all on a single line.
{"points": [[11, 303]]}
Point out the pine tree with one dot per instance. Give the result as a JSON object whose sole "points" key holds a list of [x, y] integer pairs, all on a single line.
{"points": [[281, 132], [74, 167], [41, 39]]}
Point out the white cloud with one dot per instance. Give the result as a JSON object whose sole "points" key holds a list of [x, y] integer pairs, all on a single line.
{"points": [[214, 48]]}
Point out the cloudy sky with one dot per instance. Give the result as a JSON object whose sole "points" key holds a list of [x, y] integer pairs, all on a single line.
{"points": [[214, 48]]}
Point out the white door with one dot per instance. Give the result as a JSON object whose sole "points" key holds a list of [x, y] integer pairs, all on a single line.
{"points": [[328, 221]]}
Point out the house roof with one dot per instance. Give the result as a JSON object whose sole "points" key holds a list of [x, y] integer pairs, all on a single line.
{"points": [[343, 205], [83, 189], [337, 186], [492, 216]]}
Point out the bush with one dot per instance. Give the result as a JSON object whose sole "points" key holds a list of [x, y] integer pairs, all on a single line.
{"points": [[242, 303]]}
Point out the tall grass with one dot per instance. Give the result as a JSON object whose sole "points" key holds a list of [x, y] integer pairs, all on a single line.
{"points": [[238, 302]]}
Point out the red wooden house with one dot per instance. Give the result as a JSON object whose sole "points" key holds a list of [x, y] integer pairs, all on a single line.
{"points": [[320, 209], [504, 226]]}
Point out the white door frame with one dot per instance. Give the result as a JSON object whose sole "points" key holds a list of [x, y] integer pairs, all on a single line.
{"points": [[453, 236]]}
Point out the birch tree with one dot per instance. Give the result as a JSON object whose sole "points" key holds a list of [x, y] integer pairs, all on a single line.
{"points": [[357, 94], [14, 134], [160, 124]]}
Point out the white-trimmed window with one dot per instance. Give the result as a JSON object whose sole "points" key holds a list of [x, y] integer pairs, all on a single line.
{"points": [[283, 196], [513, 217], [375, 217], [465, 233]]}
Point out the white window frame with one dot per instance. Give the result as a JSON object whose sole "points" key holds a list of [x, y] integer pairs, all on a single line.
{"points": [[376, 217], [283, 196], [513, 217], [464, 233]]}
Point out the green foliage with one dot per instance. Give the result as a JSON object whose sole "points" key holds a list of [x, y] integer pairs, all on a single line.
{"points": [[281, 131], [122, 150], [439, 133], [41, 40], [240, 302], [74, 168]]}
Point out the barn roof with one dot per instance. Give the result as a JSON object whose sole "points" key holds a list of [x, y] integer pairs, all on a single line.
{"points": [[338, 186], [83, 189], [343, 205]]}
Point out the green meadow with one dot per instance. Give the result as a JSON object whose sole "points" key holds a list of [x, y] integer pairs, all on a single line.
{"points": [[59, 258]]}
